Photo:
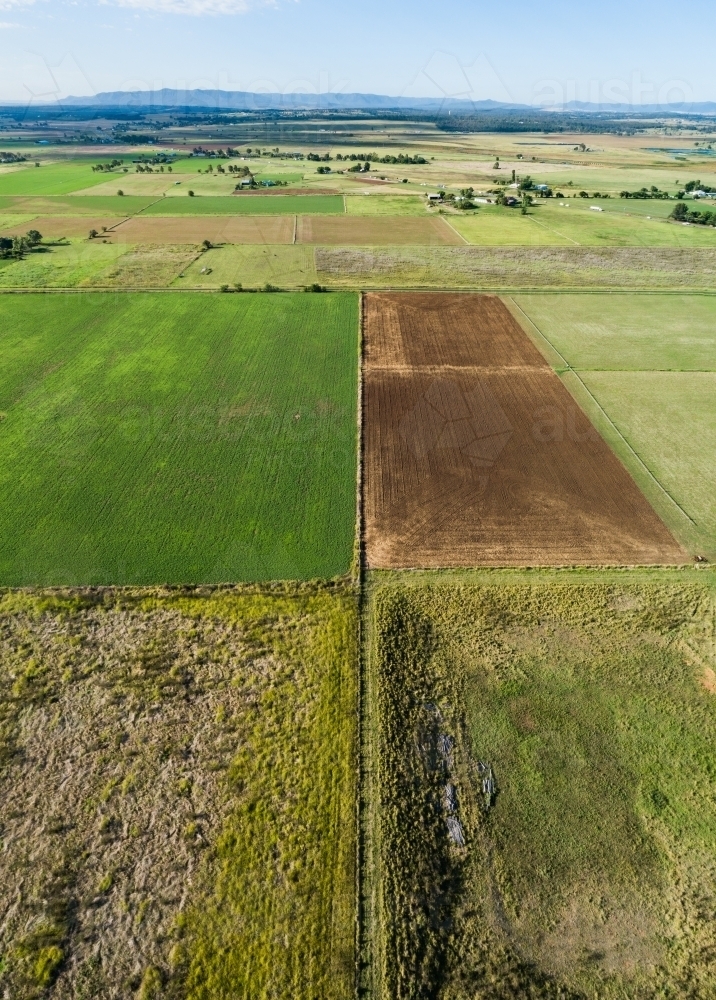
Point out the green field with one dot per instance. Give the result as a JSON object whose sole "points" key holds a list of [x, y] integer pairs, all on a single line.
{"points": [[385, 204], [253, 266], [551, 225], [208, 837], [181, 438], [248, 204], [54, 178], [69, 265], [592, 698], [644, 369]]}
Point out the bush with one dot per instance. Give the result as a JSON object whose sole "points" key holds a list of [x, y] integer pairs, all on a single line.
{"points": [[191, 194], [120, 193], [47, 965]]}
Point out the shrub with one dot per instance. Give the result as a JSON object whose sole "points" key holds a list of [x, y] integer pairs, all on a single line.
{"points": [[47, 965]]}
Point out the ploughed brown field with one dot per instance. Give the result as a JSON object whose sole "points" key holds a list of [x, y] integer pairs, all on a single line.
{"points": [[476, 454], [381, 230], [196, 229]]}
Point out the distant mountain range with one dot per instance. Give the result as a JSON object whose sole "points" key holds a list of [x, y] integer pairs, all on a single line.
{"points": [[239, 100]]}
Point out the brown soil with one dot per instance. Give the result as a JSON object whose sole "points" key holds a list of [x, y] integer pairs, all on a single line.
{"points": [[347, 230], [708, 680], [55, 226], [195, 229], [476, 454]]}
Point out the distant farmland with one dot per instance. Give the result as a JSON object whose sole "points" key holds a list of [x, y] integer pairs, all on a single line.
{"points": [[308, 204], [149, 438]]}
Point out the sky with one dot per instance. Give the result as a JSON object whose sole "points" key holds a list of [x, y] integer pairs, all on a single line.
{"points": [[533, 53]]}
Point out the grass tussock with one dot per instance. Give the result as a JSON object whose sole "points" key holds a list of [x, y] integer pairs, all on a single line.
{"points": [[177, 776], [592, 872]]}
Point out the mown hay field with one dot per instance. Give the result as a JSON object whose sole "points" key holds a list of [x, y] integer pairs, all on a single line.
{"points": [[588, 869], [177, 772], [644, 368], [176, 438], [249, 205]]}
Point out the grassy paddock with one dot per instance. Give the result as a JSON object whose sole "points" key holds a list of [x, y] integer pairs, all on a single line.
{"points": [[591, 694], [384, 204], [289, 266], [71, 265], [54, 178], [517, 267], [577, 225], [208, 838], [644, 369], [178, 438], [93, 206]]}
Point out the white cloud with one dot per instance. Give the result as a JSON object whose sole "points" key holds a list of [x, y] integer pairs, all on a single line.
{"points": [[13, 5], [195, 8], [8, 24]]}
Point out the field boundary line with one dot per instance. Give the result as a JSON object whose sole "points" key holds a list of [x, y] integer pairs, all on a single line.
{"points": [[556, 231], [600, 408], [363, 983], [295, 229], [118, 224], [466, 242]]}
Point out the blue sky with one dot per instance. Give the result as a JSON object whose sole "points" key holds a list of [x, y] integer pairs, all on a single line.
{"points": [[528, 52]]}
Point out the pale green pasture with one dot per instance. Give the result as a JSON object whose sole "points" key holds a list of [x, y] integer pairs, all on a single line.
{"points": [[68, 266], [550, 224], [54, 178], [669, 420], [385, 204], [493, 226], [253, 266], [613, 331]]}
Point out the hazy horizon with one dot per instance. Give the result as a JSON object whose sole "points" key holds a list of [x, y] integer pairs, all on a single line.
{"points": [[53, 49]]}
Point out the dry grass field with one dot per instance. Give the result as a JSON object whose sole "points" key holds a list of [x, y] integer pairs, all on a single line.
{"points": [[476, 454], [216, 228], [56, 226], [517, 267], [177, 780], [350, 230]]}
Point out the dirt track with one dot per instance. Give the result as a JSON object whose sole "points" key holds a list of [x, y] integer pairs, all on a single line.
{"points": [[476, 454]]}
